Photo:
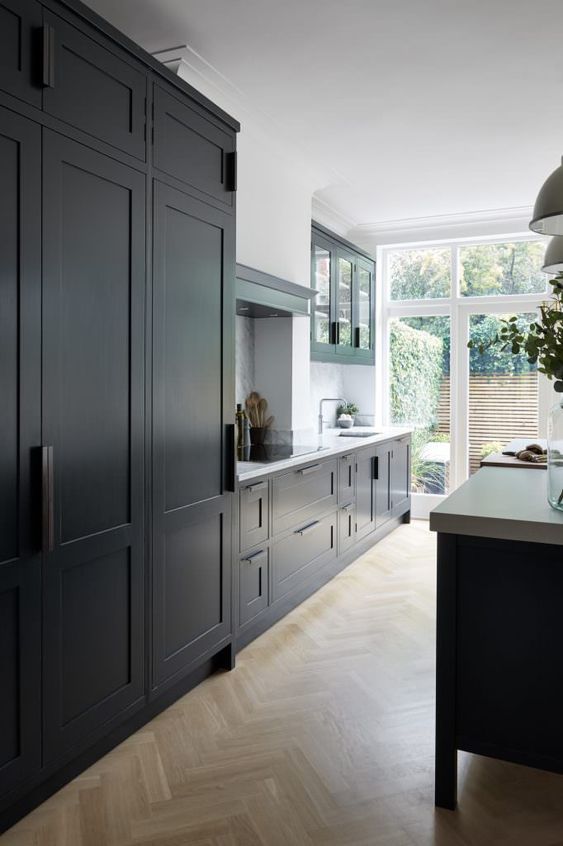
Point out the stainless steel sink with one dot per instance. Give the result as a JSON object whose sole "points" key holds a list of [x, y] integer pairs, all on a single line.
{"points": [[351, 433]]}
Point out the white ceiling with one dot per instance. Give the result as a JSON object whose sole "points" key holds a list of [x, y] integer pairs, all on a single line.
{"points": [[417, 108]]}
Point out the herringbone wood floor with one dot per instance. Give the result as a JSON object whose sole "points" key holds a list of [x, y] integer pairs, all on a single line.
{"points": [[322, 736]]}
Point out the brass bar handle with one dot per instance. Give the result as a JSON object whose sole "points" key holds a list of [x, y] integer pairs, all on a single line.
{"points": [[47, 499], [306, 529]]}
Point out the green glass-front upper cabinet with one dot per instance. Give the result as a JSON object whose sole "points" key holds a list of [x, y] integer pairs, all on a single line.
{"points": [[343, 314]]}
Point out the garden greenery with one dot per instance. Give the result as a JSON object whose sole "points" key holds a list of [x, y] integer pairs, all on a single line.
{"points": [[416, 374], [542, 342]]}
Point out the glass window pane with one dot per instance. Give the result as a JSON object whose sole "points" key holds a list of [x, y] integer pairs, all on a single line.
{"points": [[344, 316], [364, 307], [321, 265], [503, 392], [420, 396], [420, 274], [502, 269]]}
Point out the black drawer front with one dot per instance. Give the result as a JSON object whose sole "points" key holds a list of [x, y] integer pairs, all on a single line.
{"points": [[346, 478], [94, 90], [192, 149], [254, 585], [303, 494], [346, 527], [302, 553], [254, 514]]}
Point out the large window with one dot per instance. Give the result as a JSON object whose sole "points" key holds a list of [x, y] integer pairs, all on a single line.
{"points": [[462, 406]]}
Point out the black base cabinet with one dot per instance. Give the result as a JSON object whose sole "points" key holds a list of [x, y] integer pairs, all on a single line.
{"points": [[117, 271], [313, 521]]}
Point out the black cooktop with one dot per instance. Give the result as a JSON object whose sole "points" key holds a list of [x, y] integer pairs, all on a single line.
{"points": [[266, 453]]}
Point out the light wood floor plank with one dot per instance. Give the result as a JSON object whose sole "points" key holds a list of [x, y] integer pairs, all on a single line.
{"points": [[322, 736]]}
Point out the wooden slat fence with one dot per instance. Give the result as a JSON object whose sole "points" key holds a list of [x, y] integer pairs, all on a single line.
{"points": [[500, 408]]}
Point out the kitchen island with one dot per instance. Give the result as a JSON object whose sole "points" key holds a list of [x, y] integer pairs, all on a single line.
{"points": [[499, 674]]}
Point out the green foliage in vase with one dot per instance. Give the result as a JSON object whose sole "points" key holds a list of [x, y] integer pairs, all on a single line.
{"points": [[542, 341]]}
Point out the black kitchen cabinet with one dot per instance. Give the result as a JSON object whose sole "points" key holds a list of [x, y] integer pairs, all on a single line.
{"points": [[343, 313], [193, 280], [300, 554], [116, 447], [254, 514], [400, 472], [20, 46], [93, 401], [94, 89], [366, 473], [20, 434], [193, 149], [382, 485], [254, 585]]}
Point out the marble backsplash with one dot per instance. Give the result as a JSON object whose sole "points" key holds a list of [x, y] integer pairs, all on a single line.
{"points": [[244, 357]]}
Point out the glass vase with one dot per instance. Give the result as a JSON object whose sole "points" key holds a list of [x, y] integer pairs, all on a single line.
{"points": [[555, 456]]}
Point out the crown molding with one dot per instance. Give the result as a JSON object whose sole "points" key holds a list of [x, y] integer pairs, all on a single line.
{"points": [[447, 221], [192, 67], [329, 216]]}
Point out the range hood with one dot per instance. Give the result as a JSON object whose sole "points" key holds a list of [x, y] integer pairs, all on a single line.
{"points": [[260, 294]]}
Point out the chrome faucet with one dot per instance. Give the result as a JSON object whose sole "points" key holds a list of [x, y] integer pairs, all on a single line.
{"points": [[327, 399]]}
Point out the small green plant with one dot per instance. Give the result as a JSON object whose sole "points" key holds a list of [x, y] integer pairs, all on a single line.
{"points": [[542, 342], [347, 408]]}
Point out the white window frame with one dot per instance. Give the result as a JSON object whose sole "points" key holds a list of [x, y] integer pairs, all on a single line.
{"points": [[458, 308]]}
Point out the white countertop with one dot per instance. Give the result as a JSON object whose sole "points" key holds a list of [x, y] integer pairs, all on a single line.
{"points": [[331, 443], [505, 503]]}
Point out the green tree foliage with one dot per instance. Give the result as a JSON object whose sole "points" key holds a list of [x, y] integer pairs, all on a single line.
{"points": [[416, 373], [420, 274], [502, 269], [496, 358]]}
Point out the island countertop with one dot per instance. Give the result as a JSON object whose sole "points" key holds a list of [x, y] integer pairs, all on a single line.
{"points": [[328, 444], [503, 503]]}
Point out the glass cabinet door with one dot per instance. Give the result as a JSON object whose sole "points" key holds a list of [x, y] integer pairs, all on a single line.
{"points": [[365, 318], [322, 314], [344, 303]]}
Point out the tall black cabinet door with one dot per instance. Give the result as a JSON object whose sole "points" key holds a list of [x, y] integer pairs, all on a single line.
{"points": [[93, 386], [192, 279], [382, 484], [366, 474], [20, 23], [400, 472], [20, 432]]}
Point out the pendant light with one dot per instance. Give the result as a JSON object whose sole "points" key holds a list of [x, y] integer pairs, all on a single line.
{"points": [[548, 209], [553, 259]]}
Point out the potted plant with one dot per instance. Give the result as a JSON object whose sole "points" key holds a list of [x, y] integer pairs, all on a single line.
{"points": [[345, 414], [543, 344]]}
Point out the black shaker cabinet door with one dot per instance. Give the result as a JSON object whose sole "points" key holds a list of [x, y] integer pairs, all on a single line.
{"points": [[193, 149], [20, 432], [20, 30], [193, 250], [366, 474], [93, 378], [95, 90]]}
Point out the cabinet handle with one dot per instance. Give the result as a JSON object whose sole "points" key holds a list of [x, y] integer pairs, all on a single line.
{"points": [[357, 338], [375, 468], [231, 168], [254, 555], [306, 529], [337, 332], [230, 457], [333, 332], [48, 56], [259, 486], [47, 500], [304, 471]]}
